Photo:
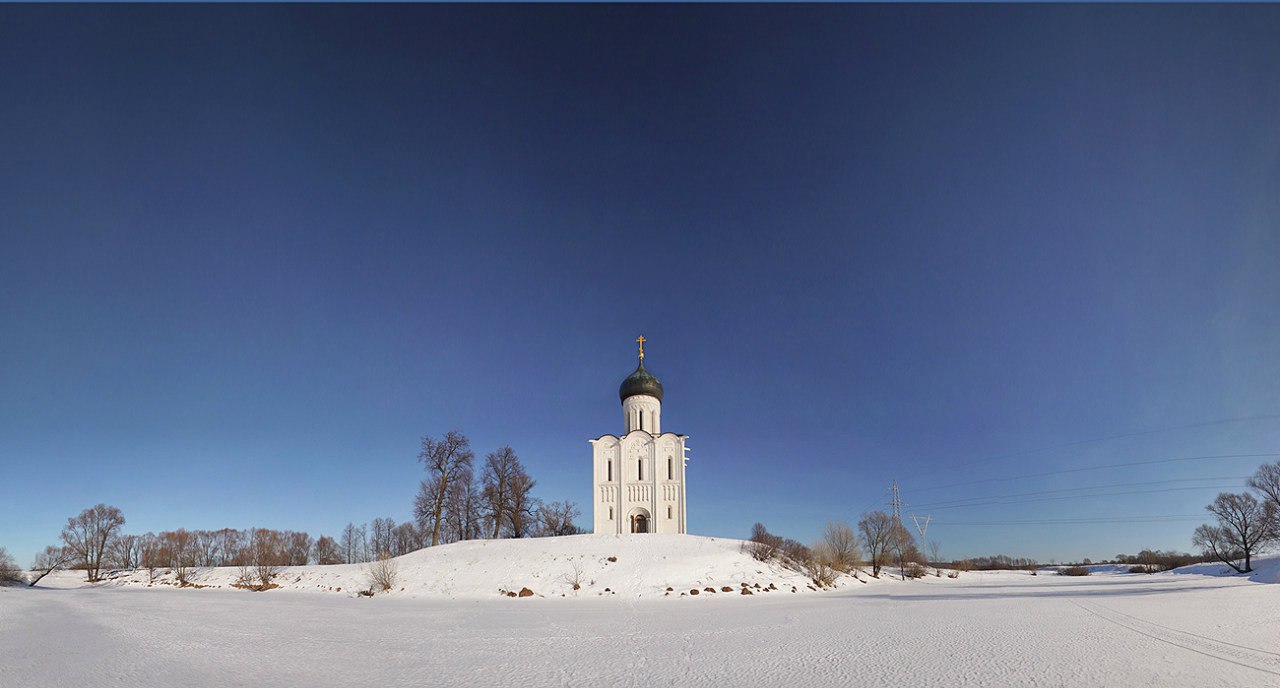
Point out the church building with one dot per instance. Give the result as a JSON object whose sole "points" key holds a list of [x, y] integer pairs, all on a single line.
{"points": [[639, 477]]}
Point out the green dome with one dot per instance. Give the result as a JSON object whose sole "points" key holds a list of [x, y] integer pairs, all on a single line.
{"points": [[640, 382]]}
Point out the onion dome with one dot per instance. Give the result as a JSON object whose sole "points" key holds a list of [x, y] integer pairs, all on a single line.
{"points": [[640, 382]]}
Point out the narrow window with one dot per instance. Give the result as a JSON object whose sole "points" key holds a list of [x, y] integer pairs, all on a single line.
{"points": [[668, 511], [639, 469], [610, 513], [669, 468], [610, 478]]}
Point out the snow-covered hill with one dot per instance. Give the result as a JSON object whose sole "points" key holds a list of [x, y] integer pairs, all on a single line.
{"points": [[1266, 569], [626, 566]]}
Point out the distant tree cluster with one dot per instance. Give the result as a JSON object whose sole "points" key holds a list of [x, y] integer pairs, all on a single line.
{"points": [[454, 504], [999, 562], [1155, 560], [1245, 524]]}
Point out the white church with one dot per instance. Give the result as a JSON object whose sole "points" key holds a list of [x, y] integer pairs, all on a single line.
{"points": [[639, 477]]}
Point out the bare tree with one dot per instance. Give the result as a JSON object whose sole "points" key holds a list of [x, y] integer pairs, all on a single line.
{"points": [[1245, 527], [297, 547], [150, 555], [124, 551], [556, 518], [267, 555], [326, 551], [88, 535], [231, 544], [462, 510], [500, 469], [183, 552], [9, 572], [444, 459], [408, 538], [903, 547], [51, 559], [382, 536], [1267, 481], [841, 546], [524, 506], [207, 548], [353, 544], [879, 537]]}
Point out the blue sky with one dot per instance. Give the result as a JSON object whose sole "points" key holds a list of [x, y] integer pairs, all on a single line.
{"points": [[250, 255]]}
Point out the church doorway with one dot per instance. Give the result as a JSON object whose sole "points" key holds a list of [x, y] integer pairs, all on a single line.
{"points": [[640, 522]]}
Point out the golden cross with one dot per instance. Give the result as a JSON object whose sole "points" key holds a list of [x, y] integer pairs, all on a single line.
{"points": [[641, 340]]}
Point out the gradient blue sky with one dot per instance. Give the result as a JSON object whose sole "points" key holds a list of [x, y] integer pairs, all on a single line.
{"points": [[250, 255]]}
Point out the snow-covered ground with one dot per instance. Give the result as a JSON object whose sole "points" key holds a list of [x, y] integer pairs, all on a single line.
{"points": [[481, 569], [993, 629]]}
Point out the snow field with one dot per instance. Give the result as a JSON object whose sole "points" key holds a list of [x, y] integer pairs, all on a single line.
{"points": [[982, 629]]}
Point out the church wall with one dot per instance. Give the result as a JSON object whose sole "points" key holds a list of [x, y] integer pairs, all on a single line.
{"points": [[647, 477]]}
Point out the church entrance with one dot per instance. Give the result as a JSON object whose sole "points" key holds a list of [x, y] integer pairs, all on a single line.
{"points": [[639, 523]]}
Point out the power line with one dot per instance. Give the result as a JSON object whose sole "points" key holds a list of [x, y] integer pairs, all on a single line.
{"points": [[1097, 468], [1085, 496], [946, 504], [1191, 426], [1165, 518]]}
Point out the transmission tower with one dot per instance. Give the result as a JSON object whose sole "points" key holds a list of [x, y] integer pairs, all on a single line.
{"points": [[921, 527], [897, 503]]}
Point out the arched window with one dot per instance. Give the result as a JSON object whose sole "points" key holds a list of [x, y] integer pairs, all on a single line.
{"points": [[639, 469], [610, 468], [670, 469]]}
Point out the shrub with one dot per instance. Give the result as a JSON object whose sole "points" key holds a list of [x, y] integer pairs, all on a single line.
{"points": [[1073, 571], [383, 572], [762, 545], [9, 572], [914, 570], [822, 565], [574, 577]]}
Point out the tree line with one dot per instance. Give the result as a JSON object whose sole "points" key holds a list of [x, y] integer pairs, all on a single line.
{"points": [[452, 504]]}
